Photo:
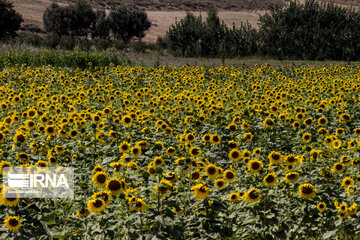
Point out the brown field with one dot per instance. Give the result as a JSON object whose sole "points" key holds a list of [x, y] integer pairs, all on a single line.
{"points": [[233, 11]]}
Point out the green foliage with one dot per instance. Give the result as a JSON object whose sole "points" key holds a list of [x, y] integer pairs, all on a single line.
{"points": [[73, 20], [10, 20], [192, 37], [102, 26], [311, 31], [75, 59], [127, 22], [183, 37]]}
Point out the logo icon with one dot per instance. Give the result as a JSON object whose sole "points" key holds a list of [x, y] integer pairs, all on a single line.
{"points": [[18, 180], [47, 182]]}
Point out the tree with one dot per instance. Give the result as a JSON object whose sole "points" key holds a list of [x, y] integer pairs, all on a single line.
{"points": [[58, 19], [10, 20], [127, 22], [102, 27], [75, 20], [185, 35], [84, 17]]}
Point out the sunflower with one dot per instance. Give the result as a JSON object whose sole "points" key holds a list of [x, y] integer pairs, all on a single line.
{"points": [[127, 121], [233, 197], [52, 160], [321, 206], [346, 182], [232, 145], [215, 139], [220, 184], [196, 175], [206, 138], [269, 123], [115, 186], [291, 177], [340, 132], [255, 166], [275, 157], [30, 124], [73, 133], [23, 157], [235, 155], [309, 121], [104, 195], [345, 118], [59, 149], [257, 152], [307, 191], [291, 160], [99, 179], [190, 138], [270, 179], [178, 210], [350, 190], [50, 130], [62, 133], [96, 205], [201, 191], [12, 223], [139, 205], [229, 175], [195, 151], [136, 151], [124, 147], [2, 137], [339, 167], [357, 131], [246, 154], [322, 121], [171, 151], [83, 213], [232, 127], [336, 144], [252, 195], [151, 169], [306, 137], [211, 171], [32, 113], [158, 161], [98, 168], [9, 197], [352, 210], [20, 138]]}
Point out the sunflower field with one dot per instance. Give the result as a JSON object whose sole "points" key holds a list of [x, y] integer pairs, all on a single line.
{"points": [[251, 152]]}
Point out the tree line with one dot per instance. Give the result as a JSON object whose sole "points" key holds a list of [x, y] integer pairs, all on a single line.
{"points": [[313, 30]]}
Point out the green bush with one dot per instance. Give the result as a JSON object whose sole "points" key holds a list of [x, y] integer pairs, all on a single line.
{"points": [[73, 59], [10, 20]]}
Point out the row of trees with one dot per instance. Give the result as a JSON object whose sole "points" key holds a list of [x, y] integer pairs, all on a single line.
{"points": [[300, 31], [80, 20], [212, 38], [315, 31]]}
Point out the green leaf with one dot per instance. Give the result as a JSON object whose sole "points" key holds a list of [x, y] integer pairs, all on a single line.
{"points": [[329, 234]]}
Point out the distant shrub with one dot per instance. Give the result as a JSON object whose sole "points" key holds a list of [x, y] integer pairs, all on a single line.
{"points": [[10, 20], [73, 59]]}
